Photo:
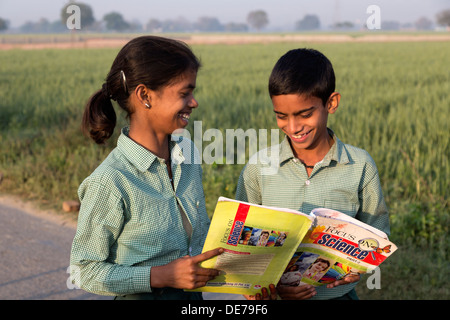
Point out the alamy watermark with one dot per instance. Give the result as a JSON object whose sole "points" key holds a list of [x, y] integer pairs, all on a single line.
{"points": [[373, 22], [232, 146], [374, 280], [74, 20], [74, 279]]}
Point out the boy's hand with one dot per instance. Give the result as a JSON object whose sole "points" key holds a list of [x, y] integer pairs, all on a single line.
{"points": [[185, 272], [346, 280], [265, 295], [296, 293]]}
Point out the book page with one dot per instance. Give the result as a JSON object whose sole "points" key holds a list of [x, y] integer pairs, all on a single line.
{"points": [[234, 262]]}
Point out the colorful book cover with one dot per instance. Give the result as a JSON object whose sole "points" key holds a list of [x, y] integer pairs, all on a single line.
{"points": [[336, 245], [259, 242]]}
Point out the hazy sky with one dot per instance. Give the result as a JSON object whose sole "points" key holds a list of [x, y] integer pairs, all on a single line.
{"points": [[282, 13]]}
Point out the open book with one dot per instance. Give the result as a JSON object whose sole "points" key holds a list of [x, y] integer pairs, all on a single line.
{"points": [[266, 245]]}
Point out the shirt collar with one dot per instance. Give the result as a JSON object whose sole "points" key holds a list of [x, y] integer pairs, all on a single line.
{"points": [[142, 158], [337, 151]]}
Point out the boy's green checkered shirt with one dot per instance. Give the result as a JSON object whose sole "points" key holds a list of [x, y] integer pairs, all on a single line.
{"points": [[130, 217], [345, 180]]}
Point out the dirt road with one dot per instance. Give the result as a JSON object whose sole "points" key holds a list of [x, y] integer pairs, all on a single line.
{"points": [[34, 255], [32, 42]]}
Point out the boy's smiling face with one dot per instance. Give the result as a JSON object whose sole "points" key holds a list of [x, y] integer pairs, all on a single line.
{"points": [[304, 120]]}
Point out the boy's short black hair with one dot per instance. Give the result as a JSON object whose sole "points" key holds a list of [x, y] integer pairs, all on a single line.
{"points": [[303, 71]]}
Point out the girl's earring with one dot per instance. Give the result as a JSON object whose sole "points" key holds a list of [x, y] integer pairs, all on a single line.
{"points": [[147, 105]]}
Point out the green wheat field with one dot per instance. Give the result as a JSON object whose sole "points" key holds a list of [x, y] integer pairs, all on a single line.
{"points": [[395, 104]]}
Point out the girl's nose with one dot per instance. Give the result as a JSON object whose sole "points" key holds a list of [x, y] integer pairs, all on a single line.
{"points": [[193, 103]]}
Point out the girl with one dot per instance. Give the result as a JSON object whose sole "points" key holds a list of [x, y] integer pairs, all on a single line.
{"points": [[143, 221]]}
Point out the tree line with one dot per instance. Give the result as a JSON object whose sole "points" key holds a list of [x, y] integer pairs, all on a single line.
{"points": [[115, 22], [256, 20]]}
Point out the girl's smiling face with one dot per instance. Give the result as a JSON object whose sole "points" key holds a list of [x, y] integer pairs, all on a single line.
{"points": [[171, 107]]}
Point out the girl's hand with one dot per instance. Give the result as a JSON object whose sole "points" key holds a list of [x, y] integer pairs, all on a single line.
{"points": [[185, 272], [265, 295]]}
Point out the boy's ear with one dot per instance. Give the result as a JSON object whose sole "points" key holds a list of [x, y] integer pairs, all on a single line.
{"points": [[333, 102]]}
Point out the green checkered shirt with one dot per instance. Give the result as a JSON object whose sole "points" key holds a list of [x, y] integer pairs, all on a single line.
{"points": [[345, 180], [130, 217]]}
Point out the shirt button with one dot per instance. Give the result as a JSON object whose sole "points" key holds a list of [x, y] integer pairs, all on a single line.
{"points": [[307, 182]]}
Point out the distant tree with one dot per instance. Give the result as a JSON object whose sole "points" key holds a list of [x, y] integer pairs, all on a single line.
{"points": [[153, 25], [309, 22], [136, 26], [236, 27], [114, 21], [177, 25], [208, 24], [3, 24], [87, 15], [258, 19], [345, 25], [443, 18], [57, 27], [41, 26], [424, 23]]}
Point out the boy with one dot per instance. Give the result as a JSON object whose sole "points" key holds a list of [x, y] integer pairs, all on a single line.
{"points": [[314, 168]]}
